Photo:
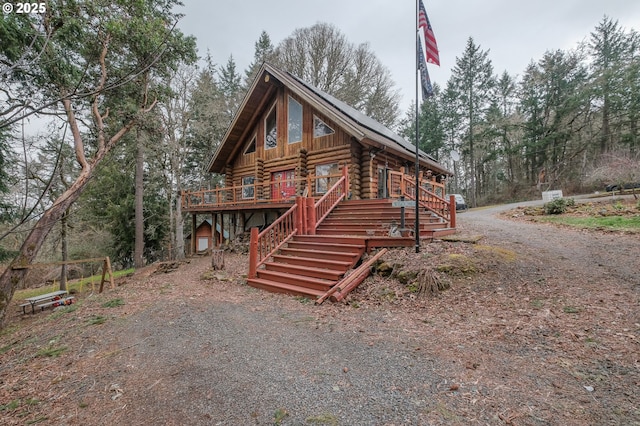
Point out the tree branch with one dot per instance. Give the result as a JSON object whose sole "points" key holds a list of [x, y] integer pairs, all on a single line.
{"points": [[103, 79], [77, 137]]}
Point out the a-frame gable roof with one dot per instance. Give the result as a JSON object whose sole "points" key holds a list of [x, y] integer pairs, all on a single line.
{"points": [[363, 128]]}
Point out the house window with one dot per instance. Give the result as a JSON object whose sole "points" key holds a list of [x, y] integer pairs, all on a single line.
{"points": [[320, 128], [326, 176], [248, 188], [271, 129], [295, 121], [251, 148]]}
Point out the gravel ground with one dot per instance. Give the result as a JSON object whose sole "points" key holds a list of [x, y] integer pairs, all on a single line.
{"points": [[543, 332]]}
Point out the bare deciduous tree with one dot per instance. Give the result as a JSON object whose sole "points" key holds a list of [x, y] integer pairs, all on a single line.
{"points": [[322, 56]]}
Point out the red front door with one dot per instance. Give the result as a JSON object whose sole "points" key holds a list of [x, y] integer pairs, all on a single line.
{"points": [[283, 185]]}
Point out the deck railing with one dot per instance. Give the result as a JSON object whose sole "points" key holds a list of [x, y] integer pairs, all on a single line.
{"points": [[430, 193], [329, 200], [264, 244], [282, 191]]}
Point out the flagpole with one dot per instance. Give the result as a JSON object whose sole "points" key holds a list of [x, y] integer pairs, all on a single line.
{"points": [[417, 167]]}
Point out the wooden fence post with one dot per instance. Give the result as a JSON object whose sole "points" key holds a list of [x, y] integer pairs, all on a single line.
{"points": [[253, 253], [311, 216], [193, 233], [300, 216], [106, 268], [345, 174]]}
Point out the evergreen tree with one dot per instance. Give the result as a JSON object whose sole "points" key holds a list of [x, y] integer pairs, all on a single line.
{"points": [[7, 210], [472, 83], [506, 124], [554, 106], [610, 50], [432, 137], [5, 153], [229, 83], [263, 53], [630, 136], [208, 124]]}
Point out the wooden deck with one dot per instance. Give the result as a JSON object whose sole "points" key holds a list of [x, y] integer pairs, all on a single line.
{"points": [[318, 238]]}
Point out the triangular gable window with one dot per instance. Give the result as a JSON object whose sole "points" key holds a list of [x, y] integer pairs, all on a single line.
{"points": [[251, 148], [320, 128]]}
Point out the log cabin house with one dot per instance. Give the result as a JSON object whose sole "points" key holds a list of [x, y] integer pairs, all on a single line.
{"points": [[314, 181]]}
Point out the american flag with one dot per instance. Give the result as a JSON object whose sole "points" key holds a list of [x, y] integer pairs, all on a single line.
{"points": [[430, 39]]}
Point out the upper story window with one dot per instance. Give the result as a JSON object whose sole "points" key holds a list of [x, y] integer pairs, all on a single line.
{"points": [[320, 128], [271, 129], [251, 148], [294, 121]]}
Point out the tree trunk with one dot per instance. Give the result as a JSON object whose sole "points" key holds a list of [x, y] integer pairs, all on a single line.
{"points": [[179, 229], [65, 251], [14, 275], [606, 131], [138, 254], [217, 259]]}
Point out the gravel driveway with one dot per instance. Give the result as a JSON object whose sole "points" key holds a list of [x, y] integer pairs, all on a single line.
{"points": [[548, 338], [279, 361], [582, 254]]}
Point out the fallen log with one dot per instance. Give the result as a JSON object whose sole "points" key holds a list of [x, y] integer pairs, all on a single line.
{"points": [[348, 283]]}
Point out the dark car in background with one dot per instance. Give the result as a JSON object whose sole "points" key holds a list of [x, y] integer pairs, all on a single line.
{"points": [[620, 187]]}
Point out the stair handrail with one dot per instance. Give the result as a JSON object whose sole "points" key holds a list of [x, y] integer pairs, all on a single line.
{"points": [[264, 244], [331, 198], [434, 203], [427, 199]]}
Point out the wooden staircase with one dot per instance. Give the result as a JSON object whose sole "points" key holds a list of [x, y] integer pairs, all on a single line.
{"points": [[310, 265]]}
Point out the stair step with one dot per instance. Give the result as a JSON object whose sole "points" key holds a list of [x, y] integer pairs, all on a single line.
{"points": [[380, 212], [314, 263], [277, 287], [323, 273], [377, 216], [365, 232], [355, 231], [437, 233], [339, 239], [322, 255], [318, 284], [309, 245]]}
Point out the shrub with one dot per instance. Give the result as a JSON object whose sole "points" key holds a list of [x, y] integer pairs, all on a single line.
{"points": [[558, 206]]}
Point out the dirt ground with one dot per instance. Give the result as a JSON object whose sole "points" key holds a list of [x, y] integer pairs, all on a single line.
{"points": [[539, 326]]}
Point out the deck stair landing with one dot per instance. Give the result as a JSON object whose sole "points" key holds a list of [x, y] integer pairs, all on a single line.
{"points": [[376, 218], [310, 265]]}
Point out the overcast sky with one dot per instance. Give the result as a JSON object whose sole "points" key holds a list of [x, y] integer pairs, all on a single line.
{"points": [[515, 32]]}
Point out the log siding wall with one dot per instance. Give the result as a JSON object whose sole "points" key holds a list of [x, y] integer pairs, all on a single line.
{"points": [[304, 156]]}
